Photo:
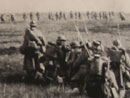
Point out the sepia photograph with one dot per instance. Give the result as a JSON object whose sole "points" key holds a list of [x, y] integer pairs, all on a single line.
{"points": [[64, 48]]}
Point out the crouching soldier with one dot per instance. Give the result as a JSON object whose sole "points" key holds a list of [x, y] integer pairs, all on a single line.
{"points": [[74, 54], [62, 50], [32, 48], [101, 79]]}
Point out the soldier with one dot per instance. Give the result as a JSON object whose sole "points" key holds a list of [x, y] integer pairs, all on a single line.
{"points": [[2, 18], [101, 78], [74, 54], [12, 18], [56, 16], [62, 51], [31, 16], [24, 17], [64, 16], [118, 58], [38, 16], [79, 15], [71, 15], [32, 48], [97, 48]]}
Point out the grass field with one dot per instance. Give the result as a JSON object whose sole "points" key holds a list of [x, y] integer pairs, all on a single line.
{"points": [[12, 84]]}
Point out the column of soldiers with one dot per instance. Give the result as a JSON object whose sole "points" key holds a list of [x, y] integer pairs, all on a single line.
{"points": [[83, 65], [79, 16], [57, 16]]}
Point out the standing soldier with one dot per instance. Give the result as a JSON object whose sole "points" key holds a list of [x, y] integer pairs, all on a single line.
{"points": [[38, 16], [97, 48], [31, 16], [100, 15], [24, 16], [71, 15], [79, 15], [2, 18], [32, 48], [56, 16], [88, 15], [12, 18], [60, 15], [64, 16]]}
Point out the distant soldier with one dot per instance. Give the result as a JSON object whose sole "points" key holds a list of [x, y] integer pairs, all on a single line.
{"points": [[56, 16], [88, 15], [110, 15], [95, 15], [38, 16], [32, 48], [105, 17], [60, 15], [92, 15], [24, 16], [80, 69], [50, 16], [79, 15], [31, 16], [2, 18], [12, 18], [100, 15], [71, 15], [122, 17], [64, 16]]}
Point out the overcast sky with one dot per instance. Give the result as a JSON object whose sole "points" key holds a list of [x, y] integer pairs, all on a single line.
{"points": [[64, 5]]}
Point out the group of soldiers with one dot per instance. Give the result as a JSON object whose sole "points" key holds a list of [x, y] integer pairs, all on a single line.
{"points": [[85, 65], [3, 18], [13, 17], [88, 15], [31, 16]]}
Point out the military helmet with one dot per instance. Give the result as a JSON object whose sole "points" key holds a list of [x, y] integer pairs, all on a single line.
{"points": [[97, 43], [33, 24], [116, 42], [75, 44], [61, 38]]}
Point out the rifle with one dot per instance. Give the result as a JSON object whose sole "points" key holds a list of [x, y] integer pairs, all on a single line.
{"points": [[79, 35], [120, 70]]}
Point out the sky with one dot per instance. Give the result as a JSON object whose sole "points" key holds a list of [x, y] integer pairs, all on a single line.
{"points": [[64, 5]]}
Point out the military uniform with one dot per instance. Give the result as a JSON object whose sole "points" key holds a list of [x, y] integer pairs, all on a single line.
{"points": [[61, 51], [33, 46], [116, 54], [74, 54], [97, 48]]}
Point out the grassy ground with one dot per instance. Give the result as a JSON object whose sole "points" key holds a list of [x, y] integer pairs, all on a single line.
{"points": [[12, 84]]}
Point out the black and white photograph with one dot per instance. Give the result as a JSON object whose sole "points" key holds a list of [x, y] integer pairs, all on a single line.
{"points": [[64, 48]]}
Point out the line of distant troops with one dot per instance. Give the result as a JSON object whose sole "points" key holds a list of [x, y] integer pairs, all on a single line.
{"points": [[64, 16], [12, 17], [88, 15]]}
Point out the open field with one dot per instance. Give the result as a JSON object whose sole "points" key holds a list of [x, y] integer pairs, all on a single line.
{"points": [[12, 84]]}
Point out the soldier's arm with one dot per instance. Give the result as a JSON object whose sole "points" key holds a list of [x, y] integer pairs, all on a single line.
{"points": [[34, 37]]}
